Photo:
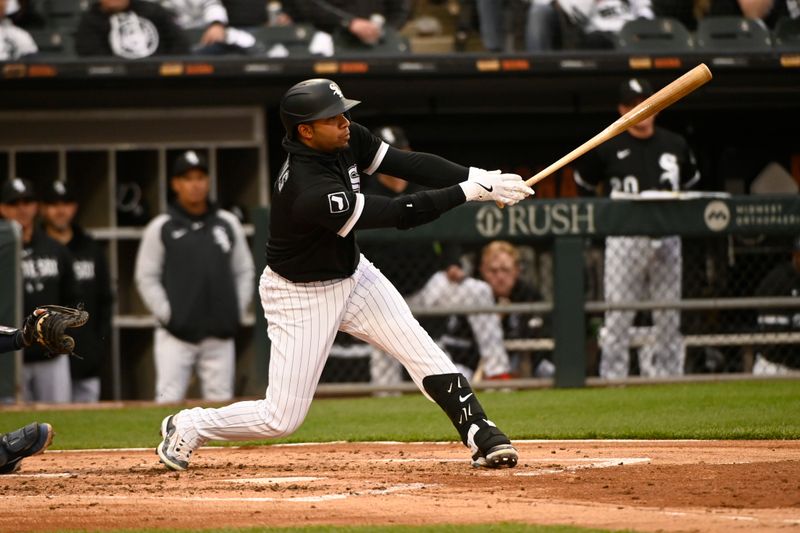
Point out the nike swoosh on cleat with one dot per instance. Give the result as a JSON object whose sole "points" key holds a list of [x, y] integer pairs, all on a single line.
{"points": [[488, 189], [464, 398]]}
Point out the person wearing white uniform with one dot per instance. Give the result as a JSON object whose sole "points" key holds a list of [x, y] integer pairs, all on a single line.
{"points": [[15, 42], [645, 158], [317, 282], [586, 23], [195, 273]]}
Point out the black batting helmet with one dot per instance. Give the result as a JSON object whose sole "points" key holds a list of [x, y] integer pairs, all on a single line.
{"points": [[312, 100]]}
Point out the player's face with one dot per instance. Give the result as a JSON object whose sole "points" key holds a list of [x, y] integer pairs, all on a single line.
{"points": [[329, 134], [191, 189], [643, 129], [22, 211], [501, 272], [59, 214]]}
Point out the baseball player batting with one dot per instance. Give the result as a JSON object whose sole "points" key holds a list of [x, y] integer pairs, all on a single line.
{"points": [[317, 282]]}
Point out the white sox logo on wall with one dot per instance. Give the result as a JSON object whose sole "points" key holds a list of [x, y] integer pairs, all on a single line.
{"points": [[717, 215], [338, 203], [355, 178]]}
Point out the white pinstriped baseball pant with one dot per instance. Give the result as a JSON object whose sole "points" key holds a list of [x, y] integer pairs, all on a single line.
{"points": [[303, 319]]}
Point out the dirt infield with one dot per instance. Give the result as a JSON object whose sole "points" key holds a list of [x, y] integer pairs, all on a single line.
{"points": [[709, 486]]}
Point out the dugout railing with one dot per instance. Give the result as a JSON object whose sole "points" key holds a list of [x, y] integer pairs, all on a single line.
{"points": [[729, 245]]}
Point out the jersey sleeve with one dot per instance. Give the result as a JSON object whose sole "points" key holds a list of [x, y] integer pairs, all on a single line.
{"points": [[690, 174], [589, 172], [330, 205], [368, 149]]}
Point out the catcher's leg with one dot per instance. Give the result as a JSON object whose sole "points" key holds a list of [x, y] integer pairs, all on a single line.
{"points": [[379, 315], [24, 442]]}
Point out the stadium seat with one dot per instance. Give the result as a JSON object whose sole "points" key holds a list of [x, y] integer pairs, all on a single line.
{"points": [[654, 35], [296, 38], [733, 33], [64, 13], [787, 34], [392, 43], [54, 43]]}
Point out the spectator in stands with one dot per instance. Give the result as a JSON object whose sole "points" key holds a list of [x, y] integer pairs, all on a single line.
{"points": [[767, 10], [644, 158], [47, 277], [129, 29], [15, 43], [500, 268], [782, 281], [586, 24], [689, 12], [473, 341], [496, 18], [210, 17], [59, 208], [23, 13], [355, 21], [195, 273]]}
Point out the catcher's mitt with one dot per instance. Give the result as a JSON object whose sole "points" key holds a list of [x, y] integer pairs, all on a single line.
{"points": [[46, 326]]}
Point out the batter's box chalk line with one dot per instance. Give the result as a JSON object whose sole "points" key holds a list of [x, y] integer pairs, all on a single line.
{"points": [[583, 464]]}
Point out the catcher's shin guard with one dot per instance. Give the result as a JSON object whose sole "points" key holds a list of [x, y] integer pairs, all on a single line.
{"points": [[490, 447], [24, 442]]}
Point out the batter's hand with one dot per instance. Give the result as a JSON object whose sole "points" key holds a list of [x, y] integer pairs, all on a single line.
{"points": [[484, 186]]}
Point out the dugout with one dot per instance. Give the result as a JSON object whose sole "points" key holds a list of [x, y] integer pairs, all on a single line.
{"points": [[111, 124]]}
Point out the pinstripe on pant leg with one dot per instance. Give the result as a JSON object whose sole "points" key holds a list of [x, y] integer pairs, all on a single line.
{"points": [[303, 319], [378, 314]]}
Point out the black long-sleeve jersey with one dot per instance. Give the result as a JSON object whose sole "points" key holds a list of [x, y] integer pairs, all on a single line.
{"points": [[317, 203], [662, 162]]}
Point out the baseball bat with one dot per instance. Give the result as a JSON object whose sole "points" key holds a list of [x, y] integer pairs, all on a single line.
{"points": [[667, 96]]}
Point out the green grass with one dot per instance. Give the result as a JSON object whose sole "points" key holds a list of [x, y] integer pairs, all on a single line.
{"points": [[728, 410], [478, 528]]}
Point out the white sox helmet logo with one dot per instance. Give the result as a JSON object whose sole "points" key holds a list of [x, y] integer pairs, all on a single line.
{"points": [[337, 201], [336, 90]]}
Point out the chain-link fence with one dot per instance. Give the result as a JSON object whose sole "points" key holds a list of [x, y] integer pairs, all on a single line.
{"points": [[733, 314]]}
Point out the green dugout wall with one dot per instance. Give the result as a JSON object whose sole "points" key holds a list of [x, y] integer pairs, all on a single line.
{"points": [[568, 223]]}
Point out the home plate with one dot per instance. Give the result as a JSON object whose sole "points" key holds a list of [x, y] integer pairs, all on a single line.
{"points": [[271, 480]]}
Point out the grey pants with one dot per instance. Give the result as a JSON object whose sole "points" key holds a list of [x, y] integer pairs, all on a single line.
{"points": [[47, 381], [641, 268]]}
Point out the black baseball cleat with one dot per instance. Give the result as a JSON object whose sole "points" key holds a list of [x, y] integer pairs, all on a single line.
{"points": [[30, 440], [491, 447], [500, 456]]}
